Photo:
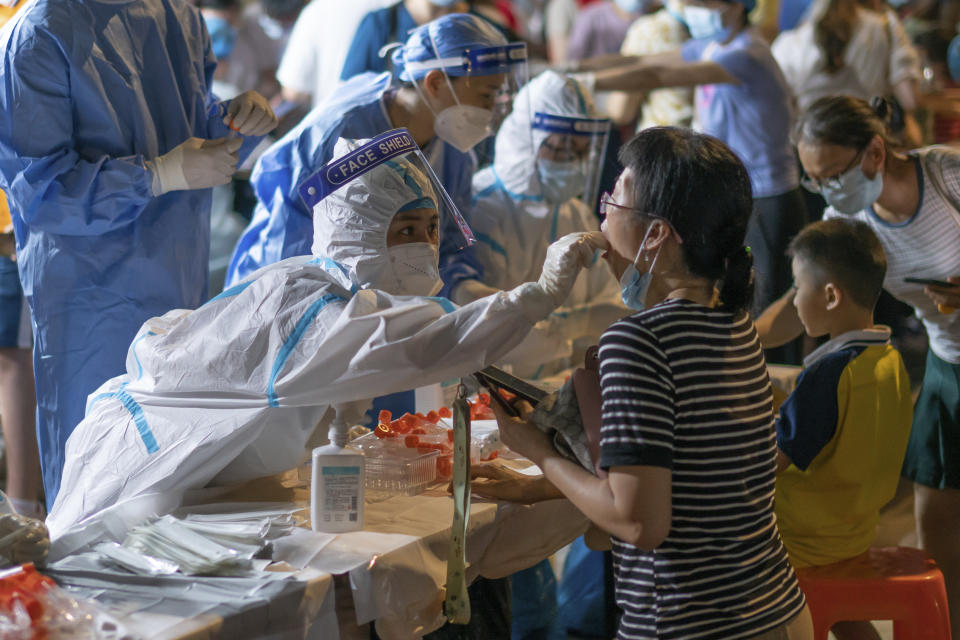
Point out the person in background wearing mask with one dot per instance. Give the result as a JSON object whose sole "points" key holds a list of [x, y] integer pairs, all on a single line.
{"points": [[248, 43], [911, 202], [445, 98], [110, 140], [741, 98], [387, 26], [543, 185], [237, 387], [600, 28]]}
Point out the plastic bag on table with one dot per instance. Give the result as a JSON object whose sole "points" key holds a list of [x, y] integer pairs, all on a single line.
{"points": [[33, 606], [22, 539]]}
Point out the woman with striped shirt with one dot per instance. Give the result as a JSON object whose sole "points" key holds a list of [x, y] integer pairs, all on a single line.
{"points": [[687, 437]]}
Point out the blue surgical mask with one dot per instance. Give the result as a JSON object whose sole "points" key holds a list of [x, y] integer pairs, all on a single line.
{"points": [[632, 6], [854, 193], [223, 36], [705, 23], [635, 285], [561, 181]]}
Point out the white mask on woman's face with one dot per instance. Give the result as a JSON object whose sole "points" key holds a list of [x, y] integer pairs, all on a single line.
{"points": [[416, 267]]}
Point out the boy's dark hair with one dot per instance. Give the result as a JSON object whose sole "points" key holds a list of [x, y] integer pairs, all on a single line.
{"points": [[697, 184], [846, 252]]}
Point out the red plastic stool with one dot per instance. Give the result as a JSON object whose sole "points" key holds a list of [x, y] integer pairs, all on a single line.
{"points": [[891, 583]]}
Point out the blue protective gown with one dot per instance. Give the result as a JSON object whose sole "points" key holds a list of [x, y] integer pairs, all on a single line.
{"points": [[88, 91], [378, 28], [282, 226]]}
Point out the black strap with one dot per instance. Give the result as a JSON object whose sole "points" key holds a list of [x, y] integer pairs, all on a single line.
{"points": [[394, 34]]}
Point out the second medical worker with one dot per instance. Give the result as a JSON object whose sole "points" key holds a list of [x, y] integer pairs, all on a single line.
{"points": [[454, 73]]}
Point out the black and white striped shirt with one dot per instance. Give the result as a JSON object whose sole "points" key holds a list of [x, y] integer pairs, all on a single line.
{"points": [[685, 387]]}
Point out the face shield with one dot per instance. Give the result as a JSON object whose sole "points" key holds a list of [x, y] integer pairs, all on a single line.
{"points": [[379, 212], [480, 69], [570, 156]]}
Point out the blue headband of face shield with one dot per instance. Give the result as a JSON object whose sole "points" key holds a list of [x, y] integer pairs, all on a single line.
{"points": [[340, 171], [381, 150], [486, 61], [419, 203], [570, 125]]}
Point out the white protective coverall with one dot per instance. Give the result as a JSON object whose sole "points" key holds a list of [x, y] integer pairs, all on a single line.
{"points": [[233, 390], [515, 223]]}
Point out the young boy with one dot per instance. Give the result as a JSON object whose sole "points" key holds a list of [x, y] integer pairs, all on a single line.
{"points": [[843, 431]]}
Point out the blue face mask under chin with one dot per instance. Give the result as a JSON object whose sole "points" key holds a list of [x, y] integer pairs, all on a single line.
{"points": [[705, 24], [635, 285]]}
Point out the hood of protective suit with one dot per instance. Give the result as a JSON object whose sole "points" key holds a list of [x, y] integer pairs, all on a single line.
{"points": [[517, 142], [350, 225]]}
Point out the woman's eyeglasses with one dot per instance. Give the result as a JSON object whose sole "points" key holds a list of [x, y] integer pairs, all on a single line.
{"points": [[834, 182], [606, 202]]}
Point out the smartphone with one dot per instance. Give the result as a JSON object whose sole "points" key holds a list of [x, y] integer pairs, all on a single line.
{"points": [[931, 282], [503, 380], [495, 395]]}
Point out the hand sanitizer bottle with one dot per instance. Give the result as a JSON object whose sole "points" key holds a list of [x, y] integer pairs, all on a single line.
{"points": [[337, 486]]}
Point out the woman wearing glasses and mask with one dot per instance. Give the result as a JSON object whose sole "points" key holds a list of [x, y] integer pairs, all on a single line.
{"points": [[687, 434], [912, 202]]}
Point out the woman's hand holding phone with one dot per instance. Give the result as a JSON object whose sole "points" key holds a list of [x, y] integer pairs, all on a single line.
{"points": [[946, 294]]}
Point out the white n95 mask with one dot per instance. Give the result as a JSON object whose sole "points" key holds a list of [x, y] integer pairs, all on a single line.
{"points": [[416, 267], [463, 125]]}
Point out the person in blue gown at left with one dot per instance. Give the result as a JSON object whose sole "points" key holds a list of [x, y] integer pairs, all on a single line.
{"points": [[110, 142]]}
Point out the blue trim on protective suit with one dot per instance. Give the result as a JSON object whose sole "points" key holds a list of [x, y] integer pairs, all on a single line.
{"points": [[445, 304], [522, 197], [329, 263], [493, 244], [291, 342], [232, 291], [133, 350], [136, 412]]}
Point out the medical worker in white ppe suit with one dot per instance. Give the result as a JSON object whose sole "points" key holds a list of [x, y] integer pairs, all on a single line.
{"points": [[233, 390], [543, 185]]}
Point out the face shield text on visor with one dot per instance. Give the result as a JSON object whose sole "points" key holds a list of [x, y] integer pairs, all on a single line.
{"points": [[570, 158], [491, 78], [379, 212]]}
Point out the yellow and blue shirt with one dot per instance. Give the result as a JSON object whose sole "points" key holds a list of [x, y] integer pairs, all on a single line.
{"points": [[844, 429]]}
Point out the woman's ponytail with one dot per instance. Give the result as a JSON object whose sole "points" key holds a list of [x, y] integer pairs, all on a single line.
{"points": [[736, 286]]}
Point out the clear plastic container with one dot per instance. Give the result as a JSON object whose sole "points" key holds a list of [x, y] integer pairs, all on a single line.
{"points": [[393, 469]]}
